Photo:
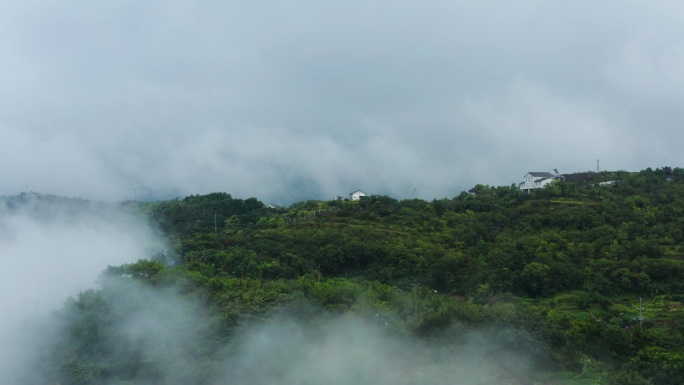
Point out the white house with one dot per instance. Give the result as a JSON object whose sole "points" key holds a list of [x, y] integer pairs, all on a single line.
{"points": [[356, 195], [535, 180]]}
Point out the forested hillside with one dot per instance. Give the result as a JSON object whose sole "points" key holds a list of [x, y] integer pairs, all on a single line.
{"points": [[586, 280]]}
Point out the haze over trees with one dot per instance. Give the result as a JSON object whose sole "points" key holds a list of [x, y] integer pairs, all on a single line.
{"points": [[575, 283]]}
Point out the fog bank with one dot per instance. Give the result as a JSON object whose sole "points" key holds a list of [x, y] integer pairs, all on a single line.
{"points": [[50, 249]]}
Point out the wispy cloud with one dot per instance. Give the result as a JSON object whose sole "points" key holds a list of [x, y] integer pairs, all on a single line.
{"points": [[308, 100], [50, 252]]}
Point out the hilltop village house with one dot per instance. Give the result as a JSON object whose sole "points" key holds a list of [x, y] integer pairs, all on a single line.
{"points": [[537, 180], [578, 177], [356, 195], [534, 180]]}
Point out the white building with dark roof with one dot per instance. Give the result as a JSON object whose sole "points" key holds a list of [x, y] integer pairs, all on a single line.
{"points": [[356, 195], [534, 180]]}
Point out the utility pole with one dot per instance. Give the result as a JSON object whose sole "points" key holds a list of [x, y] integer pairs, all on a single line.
{"points": [[415, 299]]}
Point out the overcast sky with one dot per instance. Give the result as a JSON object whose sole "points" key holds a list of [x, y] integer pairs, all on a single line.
{"points": [[304, 99]]}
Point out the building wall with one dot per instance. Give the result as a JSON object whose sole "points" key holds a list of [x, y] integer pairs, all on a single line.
{"points": [[357, 195], [532, 183]]}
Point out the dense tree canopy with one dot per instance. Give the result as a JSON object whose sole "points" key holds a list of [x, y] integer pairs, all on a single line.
{"points": [[566, 266]]}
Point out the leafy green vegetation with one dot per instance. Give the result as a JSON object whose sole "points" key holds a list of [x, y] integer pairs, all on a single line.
{"points": [[589, 278]]}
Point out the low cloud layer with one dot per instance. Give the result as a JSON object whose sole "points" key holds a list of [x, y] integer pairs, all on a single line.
{"points": [[306, 100], [49, 252], [140, 334], [347, 350], [161, 336]]}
